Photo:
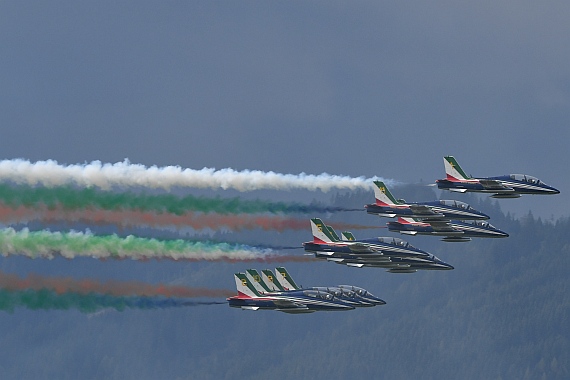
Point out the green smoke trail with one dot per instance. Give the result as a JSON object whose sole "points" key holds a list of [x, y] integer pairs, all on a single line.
{"points": [[45, 299], [72, 244], [71, 198]]}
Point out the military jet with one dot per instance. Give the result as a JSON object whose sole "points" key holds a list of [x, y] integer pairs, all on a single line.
{"points": [[388, 206], [267, 283], [451, 230], [326, 242], [507, 186], [393, 254], [296, 301]]}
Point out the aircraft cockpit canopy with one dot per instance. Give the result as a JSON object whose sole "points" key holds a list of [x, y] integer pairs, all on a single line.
{"points": [[317, 294], [395, 241], [526, 178], [457, 204], [481, 223], [361, 292]]}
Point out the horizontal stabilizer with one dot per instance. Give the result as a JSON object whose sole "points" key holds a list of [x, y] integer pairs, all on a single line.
{"points": [[354, 265], [409, 232], [250, 307], [457, 190], [387, 215]]}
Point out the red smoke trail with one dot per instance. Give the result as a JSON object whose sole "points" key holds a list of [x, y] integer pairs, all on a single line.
{"points": [[129, 218], [115, 288]]}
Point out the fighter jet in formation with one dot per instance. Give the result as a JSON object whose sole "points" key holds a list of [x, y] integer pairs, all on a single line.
{"points": [[507, 186], [393, 254], [388, 206], [254, 293], [451, 230], [282, 281]]}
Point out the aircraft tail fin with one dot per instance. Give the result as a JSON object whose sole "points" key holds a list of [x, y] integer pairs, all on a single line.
{"points": [[321, 234], [270, 280], [256, 280], [453, 170], [347, 236], [244, 286], [285, 279], [383, 196], [333, 233], [406, 220]]}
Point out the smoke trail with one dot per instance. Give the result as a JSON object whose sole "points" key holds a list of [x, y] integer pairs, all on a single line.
{"points": [[38, 292], [61, 285], [124, 174], [47, 244], [125, 219], [44, 299], [70, 198]]}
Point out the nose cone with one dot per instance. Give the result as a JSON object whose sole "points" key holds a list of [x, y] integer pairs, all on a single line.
{"points": [[502, 234], [443, 266], [378, 301], [554, 191]]}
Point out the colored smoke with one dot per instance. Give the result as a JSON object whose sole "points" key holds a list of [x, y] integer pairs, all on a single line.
{"points": [[63, 293], [70, 198], [48, 244], [44, 299], [130, 218], [61, 285]]}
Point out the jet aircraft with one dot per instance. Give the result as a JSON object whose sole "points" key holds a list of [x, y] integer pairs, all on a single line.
{"points": [[388, 206], [507, 186], [283, 282], [393, 254], [296, 301], [451, 230]]}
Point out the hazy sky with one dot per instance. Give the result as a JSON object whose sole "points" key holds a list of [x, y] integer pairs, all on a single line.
{"points": [[359, 88]]}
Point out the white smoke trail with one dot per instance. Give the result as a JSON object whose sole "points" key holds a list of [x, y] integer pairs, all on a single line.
{"points": [[124, 174]]}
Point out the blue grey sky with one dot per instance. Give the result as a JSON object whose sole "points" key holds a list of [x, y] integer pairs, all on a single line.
{"points": [[366, 88], [359, 88]]}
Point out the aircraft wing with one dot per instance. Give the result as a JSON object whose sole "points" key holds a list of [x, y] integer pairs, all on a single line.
{"points": [[443, 226], [286, 304], [423, 210], [492, 184], [361, 248]]}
